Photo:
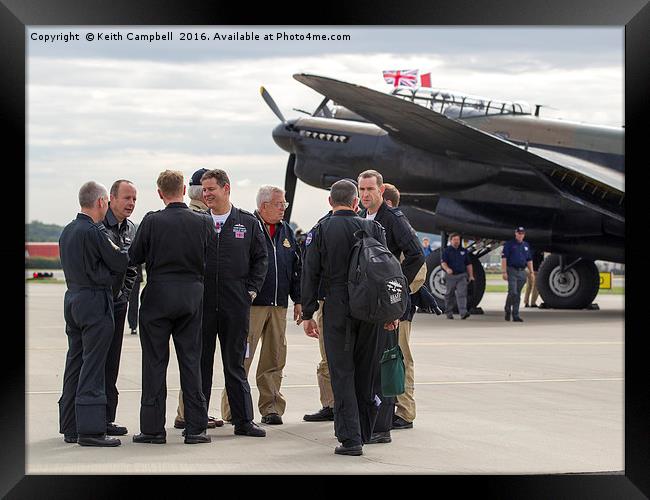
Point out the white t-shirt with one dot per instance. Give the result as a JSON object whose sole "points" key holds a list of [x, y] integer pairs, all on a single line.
{"points": [[220, 220], [370, 216]]}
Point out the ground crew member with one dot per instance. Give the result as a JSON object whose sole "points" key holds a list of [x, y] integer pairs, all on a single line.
{"points": [[89, 260], [516, 257], [134, 302], [173, 243], [195, 194], [235, 274], [326, 413], [121, 231], [268, 320], [456, 263], [404, 244], [352, 346], [531, 283]]}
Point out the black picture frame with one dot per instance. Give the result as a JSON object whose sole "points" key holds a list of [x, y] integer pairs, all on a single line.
{"points": [[15, 15]]}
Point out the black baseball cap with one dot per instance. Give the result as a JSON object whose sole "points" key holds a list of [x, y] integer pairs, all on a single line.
{"points": [[520, 229], [196, 177]]}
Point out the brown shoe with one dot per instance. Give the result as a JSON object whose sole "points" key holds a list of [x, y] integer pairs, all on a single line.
{"points": [[214, 422], [179, 423]]}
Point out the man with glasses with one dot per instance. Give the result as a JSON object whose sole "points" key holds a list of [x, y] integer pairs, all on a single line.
{"points": [[268, 317]]}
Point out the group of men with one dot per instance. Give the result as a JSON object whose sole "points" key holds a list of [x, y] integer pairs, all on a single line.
{"points": [[217, 271]]}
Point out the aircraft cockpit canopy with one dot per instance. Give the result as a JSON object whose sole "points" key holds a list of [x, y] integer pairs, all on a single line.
{"points": [[458, 105]]}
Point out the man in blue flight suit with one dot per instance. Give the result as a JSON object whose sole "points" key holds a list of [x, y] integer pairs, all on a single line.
{"points": [[516, 257], [456, 263], [173, 243], [89, 259], [268, 320], [235, 273], [353, 347], [121, 231]]}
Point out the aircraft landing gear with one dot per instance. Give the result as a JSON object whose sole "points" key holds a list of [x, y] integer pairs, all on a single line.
{"points": [[568, 282]]}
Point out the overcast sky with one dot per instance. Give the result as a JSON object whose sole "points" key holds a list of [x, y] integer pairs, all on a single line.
{"points": [[110, 109]]}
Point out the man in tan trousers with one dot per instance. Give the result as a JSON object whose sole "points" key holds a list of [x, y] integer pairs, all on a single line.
{"points": [[268, 317], [195, 193]]}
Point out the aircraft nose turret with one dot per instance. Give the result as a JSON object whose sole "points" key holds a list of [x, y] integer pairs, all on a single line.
{"points": [[283, 135]]}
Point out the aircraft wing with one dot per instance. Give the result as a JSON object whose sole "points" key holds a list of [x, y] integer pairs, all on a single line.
{"points": [[580, 181]]}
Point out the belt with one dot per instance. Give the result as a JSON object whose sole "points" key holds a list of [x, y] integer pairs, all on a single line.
{"points": [[518, 268], [72, 287]]}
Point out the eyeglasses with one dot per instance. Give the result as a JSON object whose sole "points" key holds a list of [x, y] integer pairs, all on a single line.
{"points": [[279, 204]]}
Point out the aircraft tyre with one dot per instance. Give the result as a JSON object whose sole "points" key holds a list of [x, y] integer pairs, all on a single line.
{"points": [[435, 281], [576, 288]]}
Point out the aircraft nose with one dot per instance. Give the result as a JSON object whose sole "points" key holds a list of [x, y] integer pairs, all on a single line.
{"points": [[283, 135]]}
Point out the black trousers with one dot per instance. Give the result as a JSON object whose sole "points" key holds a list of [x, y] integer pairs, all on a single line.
{"points": [[113, 360], [134, 305], [353, 372], [388, 339], [89, 326], [171, 308], [230, 324]]}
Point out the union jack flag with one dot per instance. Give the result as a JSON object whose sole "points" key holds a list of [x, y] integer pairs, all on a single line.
{"points": [[402, 78]]}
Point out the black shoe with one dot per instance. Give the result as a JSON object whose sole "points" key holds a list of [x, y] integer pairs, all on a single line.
{"points": [[197, 438], [179, 423], [134, 331], [114, 429], [272, 419], [517, 319], [465, 316], [533, 305], [526, 305], [150, 438], [98, 440], [250, 429], [349, 450], [70, 438], [379, 437], [214, 422], [324, 414], [507, 315], [400, 423], [449, 317]]}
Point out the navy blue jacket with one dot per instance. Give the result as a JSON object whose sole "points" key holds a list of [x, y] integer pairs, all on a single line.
{"points": [[284, 267]]}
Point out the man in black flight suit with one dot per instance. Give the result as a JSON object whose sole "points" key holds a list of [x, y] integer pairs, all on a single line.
{"points": [[121, 231], [88, 258], [402, 241], [235, 273], [353, 361], [173, 243]]}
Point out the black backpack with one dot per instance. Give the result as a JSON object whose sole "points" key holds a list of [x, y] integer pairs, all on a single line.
{"points": [[377, 288]]}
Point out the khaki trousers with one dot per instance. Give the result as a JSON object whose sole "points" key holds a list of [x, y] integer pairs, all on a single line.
{"points": [[405, 403], [322, 370], [268, 323], [531, 288]]}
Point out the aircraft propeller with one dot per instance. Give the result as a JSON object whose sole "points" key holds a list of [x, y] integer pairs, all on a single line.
{"points": [[290, 177]]}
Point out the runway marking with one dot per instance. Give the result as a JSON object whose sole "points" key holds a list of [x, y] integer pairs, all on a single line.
{"points": [[441, 382]]}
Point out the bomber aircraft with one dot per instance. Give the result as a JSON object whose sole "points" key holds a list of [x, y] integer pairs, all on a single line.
{"points": [[477, 166]]}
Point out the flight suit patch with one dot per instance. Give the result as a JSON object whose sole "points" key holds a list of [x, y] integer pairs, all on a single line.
{"points": [[240, 231], [286, 243]]}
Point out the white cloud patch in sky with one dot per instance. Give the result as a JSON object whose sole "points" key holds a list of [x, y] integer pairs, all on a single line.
{"points": [[106, 118]]}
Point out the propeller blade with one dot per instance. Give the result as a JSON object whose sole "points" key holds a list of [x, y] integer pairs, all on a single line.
{"points": [[271, 103], [290, 180], [322, 107]]}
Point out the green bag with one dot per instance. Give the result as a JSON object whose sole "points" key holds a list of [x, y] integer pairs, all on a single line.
{"points": [[392, 372]]}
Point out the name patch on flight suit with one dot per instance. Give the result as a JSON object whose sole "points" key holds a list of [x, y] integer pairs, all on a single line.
{"points": [[240, 231]]}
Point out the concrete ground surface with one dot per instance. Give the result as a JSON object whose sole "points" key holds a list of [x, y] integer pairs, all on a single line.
{"points": [[543, 396]]}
